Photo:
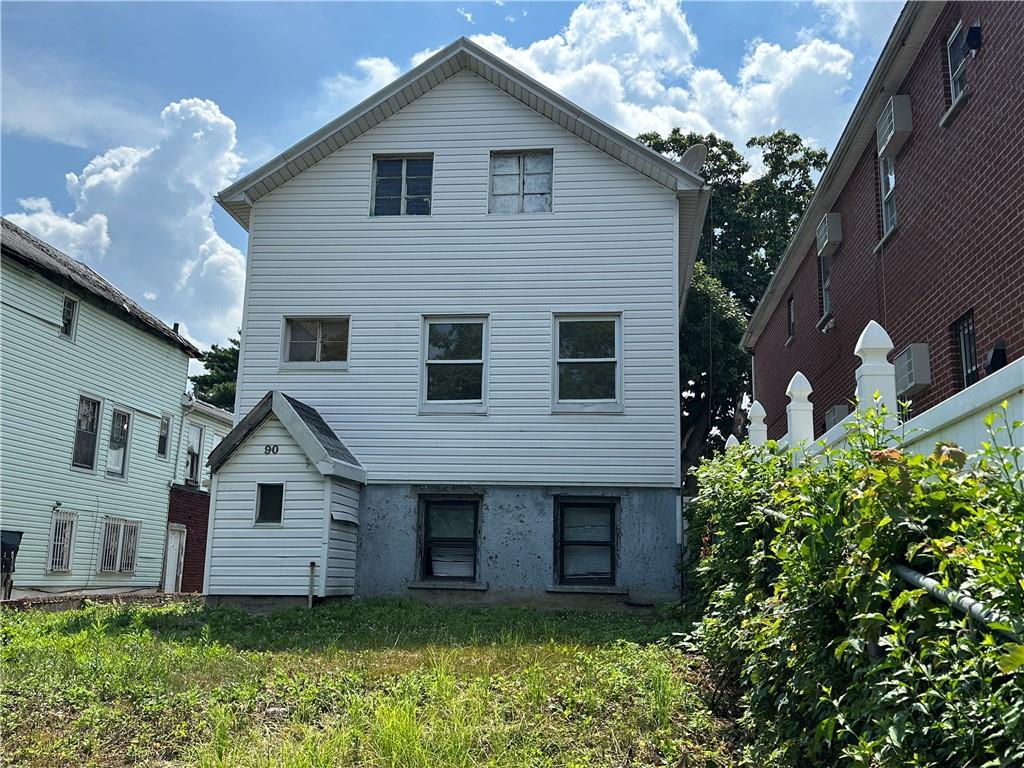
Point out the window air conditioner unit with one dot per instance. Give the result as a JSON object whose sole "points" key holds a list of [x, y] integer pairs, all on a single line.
{"points": [[835, 414], [894, 126], [913, 370], [830, 233]]}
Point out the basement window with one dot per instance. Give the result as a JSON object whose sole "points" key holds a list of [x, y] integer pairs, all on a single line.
{"points": [[269, 503], [120, 545], [449, 528], [402, 186], [585, 550], [62, 540], [521, 182]]}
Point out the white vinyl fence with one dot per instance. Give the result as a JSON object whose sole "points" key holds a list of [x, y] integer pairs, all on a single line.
{"points": [[959, 419]]}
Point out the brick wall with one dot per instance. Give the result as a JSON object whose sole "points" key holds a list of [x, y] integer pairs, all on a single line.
{"points": [[191, 507], [959, 244]]}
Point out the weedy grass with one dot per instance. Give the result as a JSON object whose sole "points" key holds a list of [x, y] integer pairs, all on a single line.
{"points": [[364, 683]]}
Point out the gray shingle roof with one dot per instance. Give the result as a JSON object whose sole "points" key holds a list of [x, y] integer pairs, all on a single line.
{"points": [[57, 266], [323, 432]]}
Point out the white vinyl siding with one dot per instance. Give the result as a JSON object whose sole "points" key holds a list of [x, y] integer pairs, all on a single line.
{"points": [[255, 559], [342, 535], [608, 246], [42, 377]]}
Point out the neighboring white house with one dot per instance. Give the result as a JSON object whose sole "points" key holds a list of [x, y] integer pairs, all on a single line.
{"points": [[90, 409], [476, 286]]}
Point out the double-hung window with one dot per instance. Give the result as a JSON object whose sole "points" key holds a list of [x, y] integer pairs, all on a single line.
{"points": [[790, 320], [825, 261], [316, 340], [585, 541], [87, 430], [521, 182], [963, 332], [117, 447], [587, 360], [402, 186], [449, 533], [455, 350], [193, 468], [887, 181], [163, 440], [68, 317], [120, 545], [60, 554], [956, 53]]}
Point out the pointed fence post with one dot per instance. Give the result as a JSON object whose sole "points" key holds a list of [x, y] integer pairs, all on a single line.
{"points": [[757, 430], [800, 414], [875, 373], [731, 442]]}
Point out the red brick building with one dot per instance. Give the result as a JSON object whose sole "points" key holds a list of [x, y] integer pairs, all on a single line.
{"points": [[929, 237]]}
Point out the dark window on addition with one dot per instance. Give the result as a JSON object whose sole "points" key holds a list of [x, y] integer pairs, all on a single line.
{"points": [[402, 185], [963, 333], [449, 538], [585, 548]]}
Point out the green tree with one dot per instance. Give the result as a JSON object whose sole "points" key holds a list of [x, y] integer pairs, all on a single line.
{"points": [[749, 223], [217, 385]]}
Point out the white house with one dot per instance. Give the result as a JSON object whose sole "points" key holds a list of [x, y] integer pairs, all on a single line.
{"points": [[90, 408], [473, 287]]}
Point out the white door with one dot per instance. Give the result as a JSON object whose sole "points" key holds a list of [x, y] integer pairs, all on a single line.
{"points": [[174, 558]]}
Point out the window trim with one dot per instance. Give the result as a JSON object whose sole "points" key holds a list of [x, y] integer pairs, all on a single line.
{"points": [[613, 543], [123, 523], [478, 407], [67, 515], [96, 441], [256, 523], [127, 443], [199, 461], [615, 405], [170, 436], [522, 175], [403, 156], [423, 538], [888, 226], [73, 332], [284, 364]]}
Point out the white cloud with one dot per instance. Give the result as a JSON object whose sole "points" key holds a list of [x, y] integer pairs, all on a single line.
{"points": [[868, 21], [346, 90], [48, 100], [632, 63], [142, 216], [465, 14]]}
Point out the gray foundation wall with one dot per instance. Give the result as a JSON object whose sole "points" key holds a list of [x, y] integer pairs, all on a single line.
{"points": [[516, 546]]}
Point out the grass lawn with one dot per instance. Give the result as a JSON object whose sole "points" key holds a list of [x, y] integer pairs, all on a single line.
{"points": [[378, 683]]}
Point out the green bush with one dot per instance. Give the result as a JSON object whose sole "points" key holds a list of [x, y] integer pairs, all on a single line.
{"points": [[837, 661]]}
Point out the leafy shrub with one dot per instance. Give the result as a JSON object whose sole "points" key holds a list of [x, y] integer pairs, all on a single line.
{"points": [[841, 663]]}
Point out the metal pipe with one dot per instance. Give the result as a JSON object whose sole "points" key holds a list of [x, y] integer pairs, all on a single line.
{"points": [[312, 570], [963, 603]]}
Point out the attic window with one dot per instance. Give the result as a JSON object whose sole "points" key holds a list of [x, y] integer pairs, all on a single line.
{"points": [[316, 340], [402, 185], [69, 314], [521, 182]]}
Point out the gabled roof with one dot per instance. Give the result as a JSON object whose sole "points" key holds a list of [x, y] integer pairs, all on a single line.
{"points": [[191, 403], [901, 50], [56, 266], [314, 436], [460, 55]]}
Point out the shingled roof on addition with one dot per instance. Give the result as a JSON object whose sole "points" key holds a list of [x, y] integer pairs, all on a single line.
{"points": [[42, 258], [307, 427]]}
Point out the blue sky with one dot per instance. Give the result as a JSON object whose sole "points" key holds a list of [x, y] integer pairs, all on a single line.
{"points": [[121, 120]]}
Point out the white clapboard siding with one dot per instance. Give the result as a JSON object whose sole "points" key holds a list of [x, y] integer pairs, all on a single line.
{"points": [[608, 246], [342, 536], [246, 558], [41, 377]]}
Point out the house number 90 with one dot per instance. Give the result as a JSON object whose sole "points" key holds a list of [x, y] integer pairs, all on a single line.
{"points": [[268, 449]]}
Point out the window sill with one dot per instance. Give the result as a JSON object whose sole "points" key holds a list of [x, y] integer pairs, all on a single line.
{"points": [[947, 118], [433, 409], [268, 525], [461, 586], [526, 214], [885, 239], [284, 367], [587, 589], [584, 407]]}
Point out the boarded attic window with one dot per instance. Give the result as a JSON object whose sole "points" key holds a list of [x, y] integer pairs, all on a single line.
{"points": [[402, 186], [521, 182]]}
